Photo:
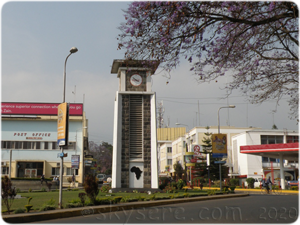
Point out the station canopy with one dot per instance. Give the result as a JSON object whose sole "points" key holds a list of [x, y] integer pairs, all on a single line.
{"points": [[288, 151]]}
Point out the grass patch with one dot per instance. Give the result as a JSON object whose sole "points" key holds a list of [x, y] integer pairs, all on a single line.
{"points": [[40, 198]]}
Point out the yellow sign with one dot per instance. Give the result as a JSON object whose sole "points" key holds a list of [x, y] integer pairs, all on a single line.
{"points": [[62, 117], [219, 145]]}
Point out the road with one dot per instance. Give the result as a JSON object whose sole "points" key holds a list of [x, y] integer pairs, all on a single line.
{"points": [[251, 209]]}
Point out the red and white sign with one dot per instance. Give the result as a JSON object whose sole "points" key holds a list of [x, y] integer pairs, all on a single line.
{"points": [[12, 108]]}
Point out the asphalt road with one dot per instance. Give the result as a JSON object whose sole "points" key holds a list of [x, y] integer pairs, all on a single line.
{"points": [[251, 209]]}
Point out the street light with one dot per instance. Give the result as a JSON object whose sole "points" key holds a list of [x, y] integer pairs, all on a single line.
{"points": [[72, 50], [229, 106]]}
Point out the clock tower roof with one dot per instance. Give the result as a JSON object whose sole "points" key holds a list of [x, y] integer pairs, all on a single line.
{"points": [[146, 64]]}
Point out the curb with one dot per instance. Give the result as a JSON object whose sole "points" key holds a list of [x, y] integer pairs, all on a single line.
{"points": [[87, 211]]}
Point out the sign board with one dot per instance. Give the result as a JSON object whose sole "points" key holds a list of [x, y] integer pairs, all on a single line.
{"points": [[75, 159], [88, 156], [189, 159], [198, 153], [220, 162], [219, 145], [62, 124], [17, 108]]}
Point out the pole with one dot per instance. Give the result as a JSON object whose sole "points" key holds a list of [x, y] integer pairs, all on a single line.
{"points": [[10, 158], [72, 50], [61, 177], [220, 163]]}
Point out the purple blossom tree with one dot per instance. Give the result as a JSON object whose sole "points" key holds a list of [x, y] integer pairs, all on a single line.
{"points": [[254, 42]]}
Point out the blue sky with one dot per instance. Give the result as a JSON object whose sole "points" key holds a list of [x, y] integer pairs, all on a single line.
{"points": [[37, 36]]}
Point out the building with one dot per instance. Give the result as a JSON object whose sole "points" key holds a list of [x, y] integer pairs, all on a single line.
{"points": [[265, 163], [178, 143], [29, 141]]}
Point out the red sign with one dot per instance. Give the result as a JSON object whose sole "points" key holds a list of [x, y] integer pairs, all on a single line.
{"points": [[12, 108]]}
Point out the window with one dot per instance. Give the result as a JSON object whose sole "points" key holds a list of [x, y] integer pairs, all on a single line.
{"points": [[292, 139], [71, 171], [27, 145], [169, 149], [55, 171], [37, 145], [18, 145], [4, 170], [46, 145], [54, 145], [169, 161], [271, 139]]}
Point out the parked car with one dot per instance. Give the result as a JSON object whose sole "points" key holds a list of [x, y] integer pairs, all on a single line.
{"points": [[100, 178], [105, 179], [256, 184], [293, 183]]}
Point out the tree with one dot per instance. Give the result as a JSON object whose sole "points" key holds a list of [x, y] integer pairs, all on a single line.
{"points": [[256, 43], [91, 187], [8, 193], [178, 169], [213, 168], [103, 154]]}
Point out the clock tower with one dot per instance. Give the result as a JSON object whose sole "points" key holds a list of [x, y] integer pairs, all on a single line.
{"points": [[134, 163]]}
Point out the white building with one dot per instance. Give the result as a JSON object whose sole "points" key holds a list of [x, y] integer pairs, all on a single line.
{"points": [[258, 166], [29, 132]]}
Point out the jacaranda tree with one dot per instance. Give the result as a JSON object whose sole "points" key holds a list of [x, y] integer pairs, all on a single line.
{"points": [[255, 43]]}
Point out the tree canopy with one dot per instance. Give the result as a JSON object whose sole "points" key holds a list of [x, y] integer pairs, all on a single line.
{"points": [[255, 43]]}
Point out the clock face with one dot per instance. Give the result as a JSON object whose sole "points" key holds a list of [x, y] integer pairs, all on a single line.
{"points": [[136, 80]]}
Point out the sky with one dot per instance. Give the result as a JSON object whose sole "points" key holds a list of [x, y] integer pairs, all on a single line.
{"points": [[36, 38]]}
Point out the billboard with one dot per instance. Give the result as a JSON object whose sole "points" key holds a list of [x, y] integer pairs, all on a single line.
{"points": [[198, 152], [189, 159], [62, 124], [219, 145], [75, 159], [14, 108]]}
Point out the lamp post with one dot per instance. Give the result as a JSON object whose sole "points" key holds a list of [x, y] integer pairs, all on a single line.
{"points": [[229, 106], [72, 50]]}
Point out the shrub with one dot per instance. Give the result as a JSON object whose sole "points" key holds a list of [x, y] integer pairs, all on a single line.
{"points": [[125, 199], [74, 205], [82, 197], [29, 190], [211, 192], [28, 207], [169, 189], [152, 197], [18, 190], [185, 195], [19, 211], [117, 199], [234, 182], [232, 188], [102, 201], [47, 207], [43, 189], [91, 187], [141, 198], [105, 188], [8, 193], [250, 182], [180, 184]]}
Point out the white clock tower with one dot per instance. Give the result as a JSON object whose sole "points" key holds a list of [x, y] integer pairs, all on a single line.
{"points": [[134, 163]]}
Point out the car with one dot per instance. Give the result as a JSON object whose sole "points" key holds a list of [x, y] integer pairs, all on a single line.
{"points": [[105, 179], [100, 178]]}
